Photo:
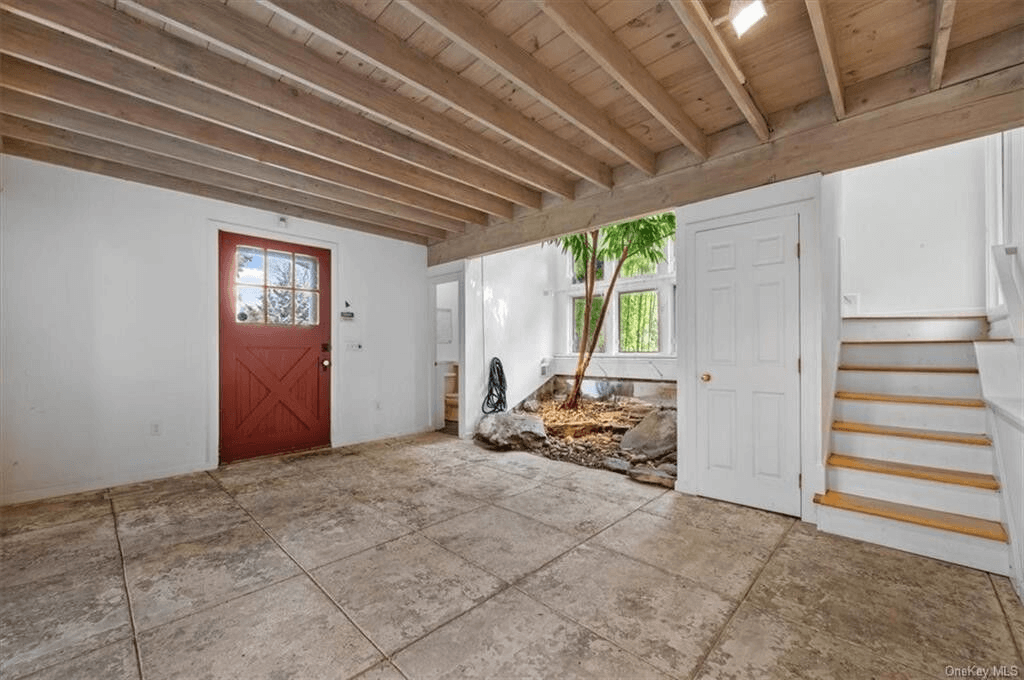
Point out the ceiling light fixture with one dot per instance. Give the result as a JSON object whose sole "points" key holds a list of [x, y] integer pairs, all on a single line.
{"points": [[744, 15]]}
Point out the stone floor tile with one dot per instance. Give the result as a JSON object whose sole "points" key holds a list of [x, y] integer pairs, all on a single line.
{"points": [[610, 485], [667, 621], [169, 489], [530, 465], [49, 621], [401, 590], [188, 517], [513, 636], [579, 514], [483, 482], [759, 527], [84, 547], [315, 533], [722, 563], [504, 543], [949, 622], [171, 581], [417, 503], [1012, 608], [758, 645], [53, 511], [113, 662], [236, 477], [289, 630]]}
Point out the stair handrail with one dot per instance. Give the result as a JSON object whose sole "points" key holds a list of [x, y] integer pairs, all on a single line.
{"points": [[1010, 273]]}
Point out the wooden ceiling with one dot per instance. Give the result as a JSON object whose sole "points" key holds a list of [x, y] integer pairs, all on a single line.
{"points": [[477, 125]]}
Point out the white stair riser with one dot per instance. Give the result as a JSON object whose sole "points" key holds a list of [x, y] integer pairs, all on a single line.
{"points": [[921, 416], [914, 329], [970, 551], [946, 354], [914, 451], [959, 385], [921, 493]]}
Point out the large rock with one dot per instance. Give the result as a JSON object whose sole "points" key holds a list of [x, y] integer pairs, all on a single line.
{"points": [[653, 437], [503, 431]]}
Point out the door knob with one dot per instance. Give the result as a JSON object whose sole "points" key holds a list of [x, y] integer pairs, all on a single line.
{"points": [[326, 362], [706, 377]]}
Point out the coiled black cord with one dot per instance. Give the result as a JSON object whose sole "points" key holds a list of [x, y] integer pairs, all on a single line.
{"points": [[494, 402]]}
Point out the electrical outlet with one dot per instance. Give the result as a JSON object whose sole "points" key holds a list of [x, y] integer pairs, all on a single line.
{"points": [[353, 346], [156, 428]]}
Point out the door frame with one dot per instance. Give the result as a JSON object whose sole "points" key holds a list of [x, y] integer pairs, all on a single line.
{"points": [[214, 227], [801, 196], [447, 273]]}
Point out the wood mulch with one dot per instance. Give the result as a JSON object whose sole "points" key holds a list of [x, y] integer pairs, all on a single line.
{"points": [[590, 433]]}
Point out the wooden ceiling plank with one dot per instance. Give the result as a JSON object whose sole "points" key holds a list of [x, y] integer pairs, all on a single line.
{"points": [[358, 34], [261, 44], [698, 23], [493, 47], [383, 176], [591, 33], [981, 106], [264, 103], [827, 50], [313, 172], [944, 10], [53, 114], [76, 161], [47, 135]]}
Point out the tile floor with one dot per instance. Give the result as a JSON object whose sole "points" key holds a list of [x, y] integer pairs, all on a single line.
{"points": [[428, 557]]}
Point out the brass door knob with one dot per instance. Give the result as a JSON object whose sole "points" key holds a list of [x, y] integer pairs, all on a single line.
{"points": [[706, 377]]}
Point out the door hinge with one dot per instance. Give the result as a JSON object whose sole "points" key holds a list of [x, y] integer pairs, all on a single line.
{"points": [[800, 480], [798, 364], [798, 249]]}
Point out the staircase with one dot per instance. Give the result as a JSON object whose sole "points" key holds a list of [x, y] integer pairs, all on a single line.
{"points": [[451, 401], [911, 464]]}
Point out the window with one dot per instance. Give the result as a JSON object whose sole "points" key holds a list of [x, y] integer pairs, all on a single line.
{"points": [[579, 272], [276, 288], [635, 267], [638, 321], [579, 308]]}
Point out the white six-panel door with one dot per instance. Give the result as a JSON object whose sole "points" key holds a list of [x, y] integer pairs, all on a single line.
{"points": [[747, 347]]}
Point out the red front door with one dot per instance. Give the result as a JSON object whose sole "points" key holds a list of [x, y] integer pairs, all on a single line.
{"points": [[275, 353]]}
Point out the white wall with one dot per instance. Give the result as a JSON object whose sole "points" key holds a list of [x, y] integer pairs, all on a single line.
{"points": [[913, 232], [831, 308], [109, 325], [510, 314], [448, 298]]}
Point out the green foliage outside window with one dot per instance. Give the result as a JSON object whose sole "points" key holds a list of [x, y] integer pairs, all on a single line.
{"points": [[638, 321], [578, 310]]}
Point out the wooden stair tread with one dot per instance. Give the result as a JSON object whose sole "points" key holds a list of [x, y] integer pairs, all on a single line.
{"points": [[948, 521], [906, 341], [970, 439], [909, 399], [909, 369], [973, 479], [916, 318]]}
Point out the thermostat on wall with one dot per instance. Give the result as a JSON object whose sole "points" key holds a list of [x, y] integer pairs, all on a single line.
{"points": [[348, 316]]}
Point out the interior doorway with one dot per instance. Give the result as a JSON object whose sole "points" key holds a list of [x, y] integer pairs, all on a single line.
{"points": [[448, 351], [275, 351]]}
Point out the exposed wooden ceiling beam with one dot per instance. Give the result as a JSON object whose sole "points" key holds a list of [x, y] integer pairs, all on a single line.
{"points": [[597, 40], [261, 44], [981, 106], [40, 82], [827, 51], [68, 159], [468, 29], [41, 111], [940, 40], [47, 135], [379, 173], [116, 30], [698, 23], [345, 25]]}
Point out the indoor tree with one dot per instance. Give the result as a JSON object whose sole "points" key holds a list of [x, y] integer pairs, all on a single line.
{"points": [[639, 244]]}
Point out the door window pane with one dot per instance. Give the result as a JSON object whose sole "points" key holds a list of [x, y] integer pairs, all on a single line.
{"points": [[638, 321], [306, 306], [579, 306], [305, 272], [249, 305], [279, 306], [249, 265], [279, 269]]}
